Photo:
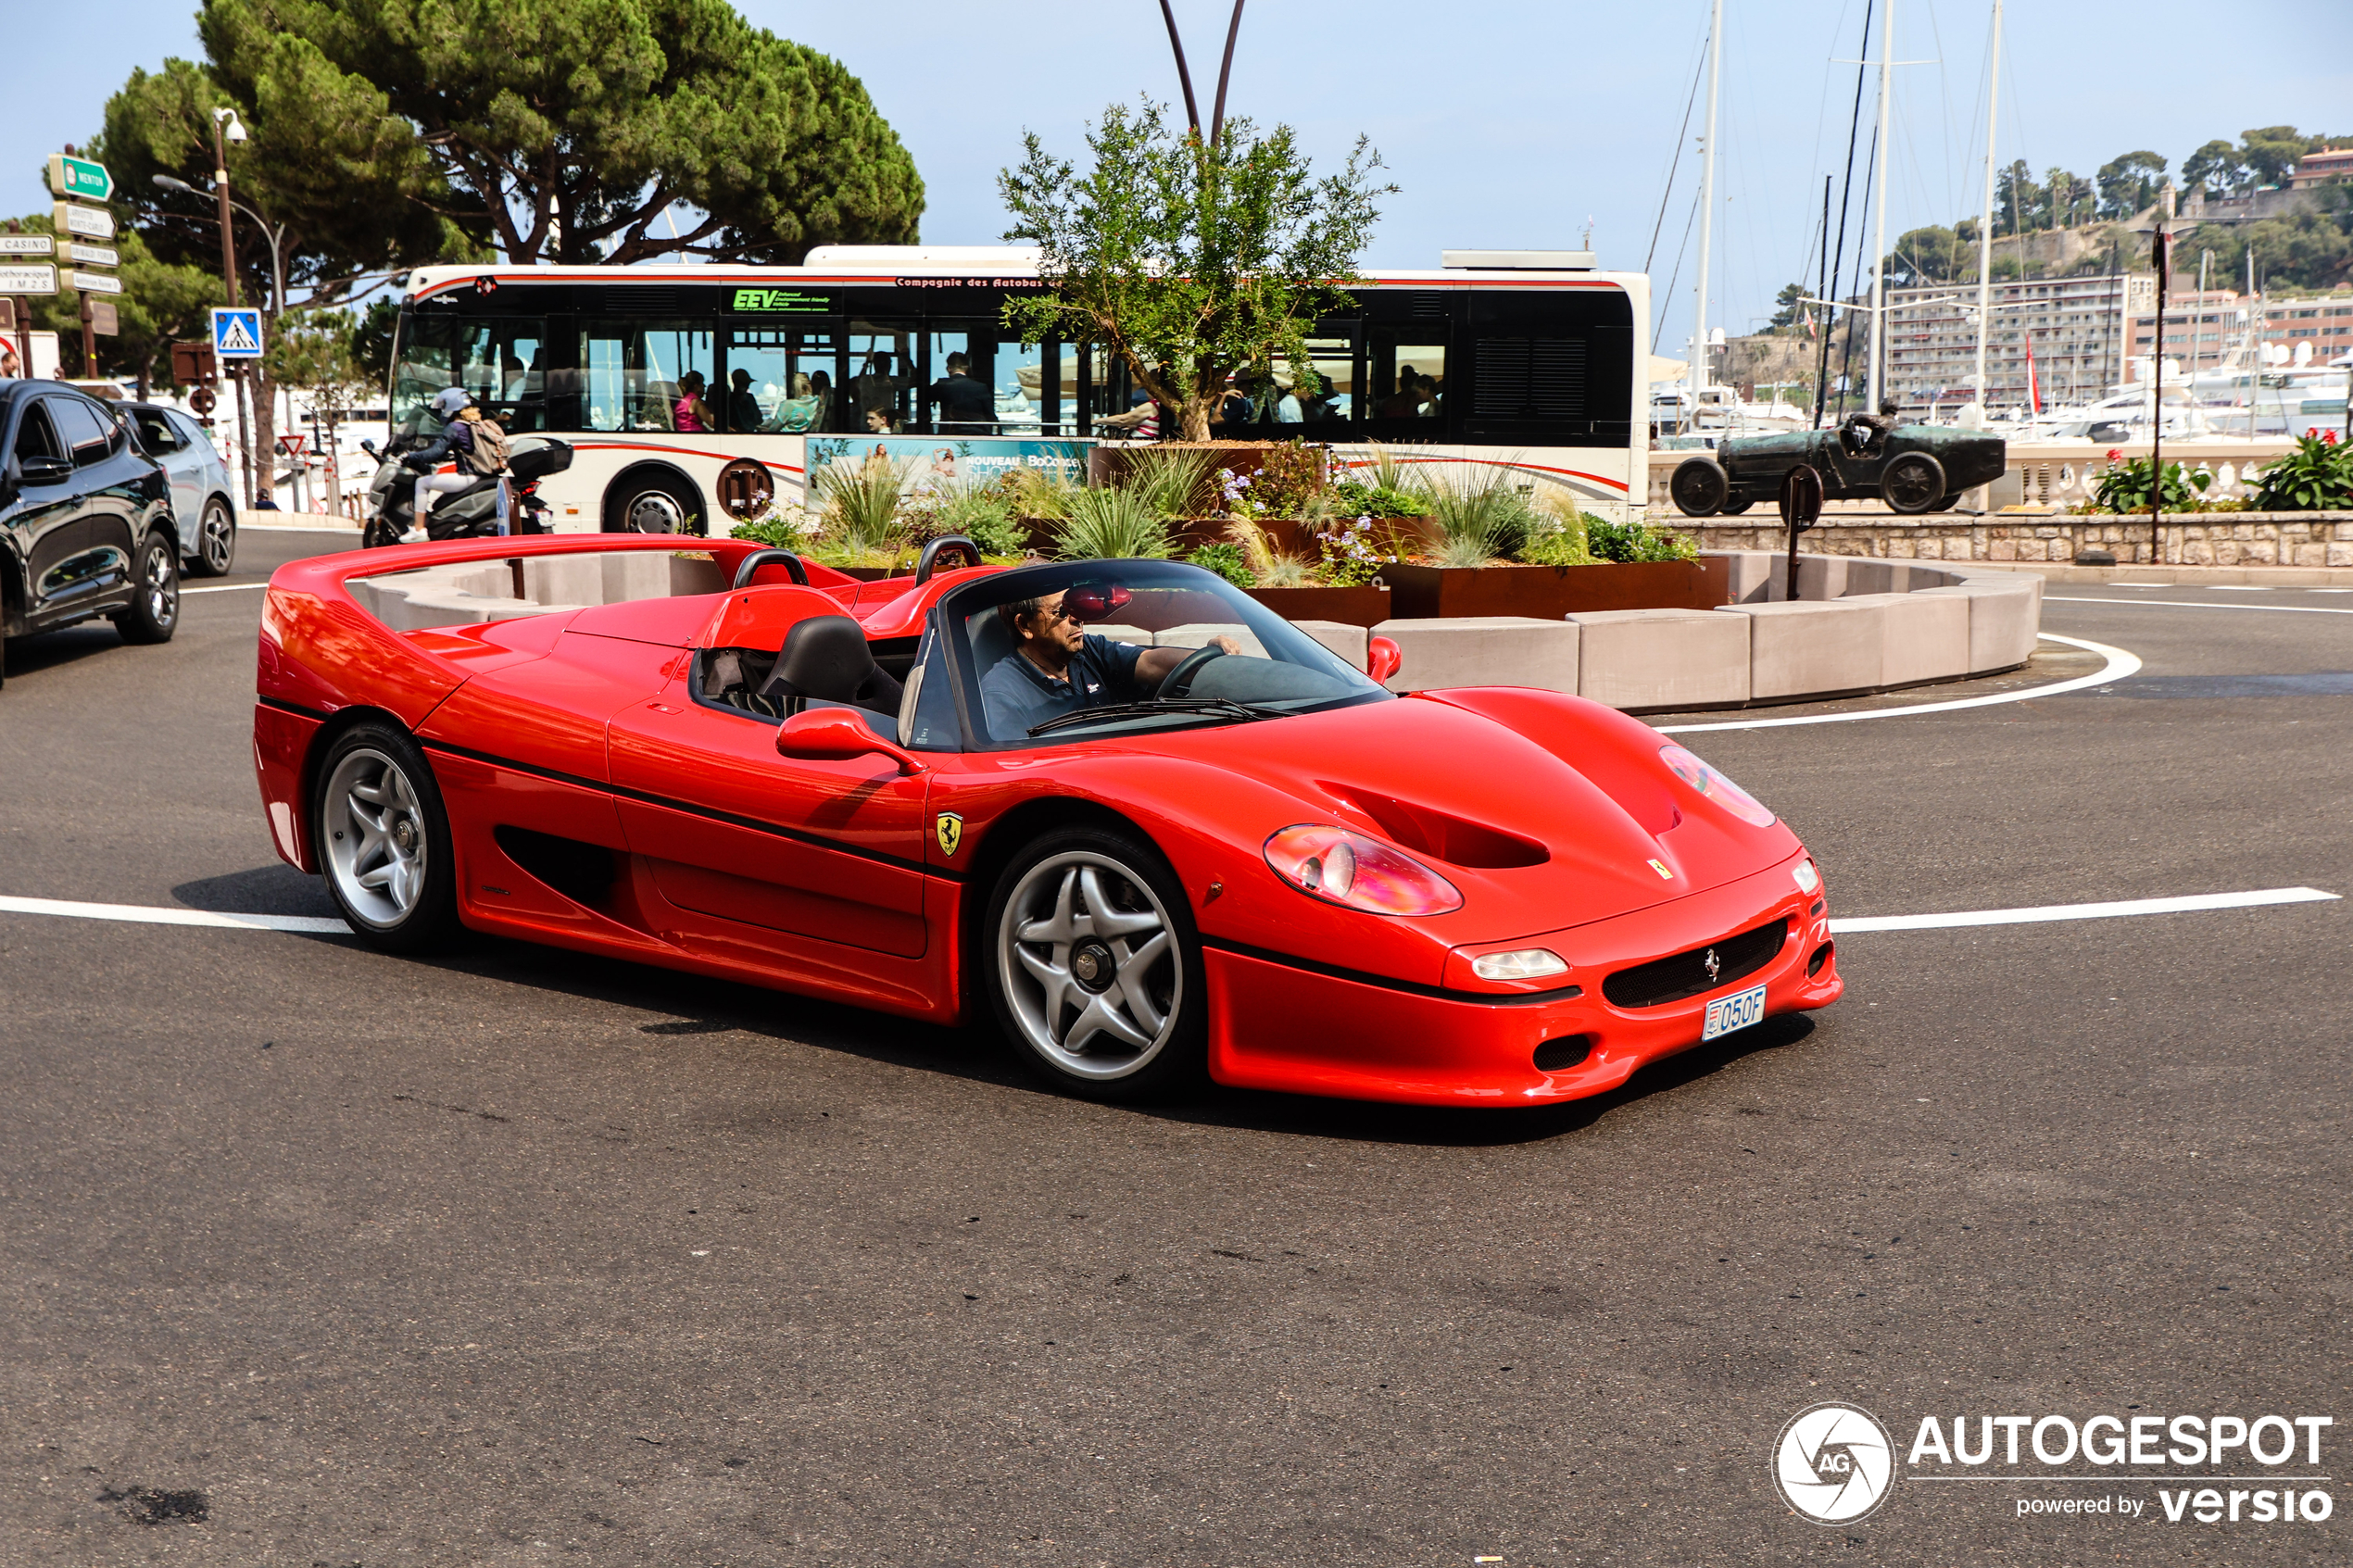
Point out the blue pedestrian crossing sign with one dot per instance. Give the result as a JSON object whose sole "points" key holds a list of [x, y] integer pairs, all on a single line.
{"points": [[236, 335]]}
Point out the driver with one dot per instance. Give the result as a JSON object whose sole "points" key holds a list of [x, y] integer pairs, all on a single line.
{"points": [[1058, 666], [1866, 434]]}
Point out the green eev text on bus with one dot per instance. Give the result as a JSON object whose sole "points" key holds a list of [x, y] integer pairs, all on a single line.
{"points": [[779, 300]]}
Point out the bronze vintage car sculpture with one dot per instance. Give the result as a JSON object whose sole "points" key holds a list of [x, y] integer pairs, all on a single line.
{"points": [[1914, 467]]}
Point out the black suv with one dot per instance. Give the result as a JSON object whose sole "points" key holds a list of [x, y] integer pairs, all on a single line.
{"points": [[85, 519]]}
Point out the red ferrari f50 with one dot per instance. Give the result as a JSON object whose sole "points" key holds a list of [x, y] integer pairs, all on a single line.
{"points": [[1156, 830]]}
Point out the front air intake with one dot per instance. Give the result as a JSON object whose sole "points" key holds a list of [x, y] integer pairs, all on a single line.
{"points": [[1687, 975]]}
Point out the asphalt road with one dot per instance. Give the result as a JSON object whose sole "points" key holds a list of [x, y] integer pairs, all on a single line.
{"points": [[514, 1257]]}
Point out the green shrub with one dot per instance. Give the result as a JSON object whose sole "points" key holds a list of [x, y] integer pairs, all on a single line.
{"points": [[1227, 562], [1169, 482], [1347, 555], [1109, 524], [1480, 509], [2317, 476], [2126, 487], [1359, 499], [982, 513], [774, 529], [1287, 477], [1631, 542], [858, 505]]}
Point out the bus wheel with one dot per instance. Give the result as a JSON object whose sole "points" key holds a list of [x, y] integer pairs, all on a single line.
{"points": [[653, 503]]}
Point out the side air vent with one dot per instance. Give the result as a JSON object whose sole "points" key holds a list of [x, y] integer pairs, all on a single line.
{"points": [[582, 872]]}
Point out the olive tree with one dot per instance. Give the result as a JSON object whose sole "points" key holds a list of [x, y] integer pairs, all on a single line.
{"points": [[1188, 258]]}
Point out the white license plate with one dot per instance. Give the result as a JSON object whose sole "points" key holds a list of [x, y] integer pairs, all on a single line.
{"points": [[1729, 1013]]}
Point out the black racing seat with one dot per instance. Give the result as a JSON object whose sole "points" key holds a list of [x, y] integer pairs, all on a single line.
{"points": [[825, 662]]}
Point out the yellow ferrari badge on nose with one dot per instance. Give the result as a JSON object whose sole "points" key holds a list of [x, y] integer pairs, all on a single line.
{"points": [[1660, 867], [950, 828]]}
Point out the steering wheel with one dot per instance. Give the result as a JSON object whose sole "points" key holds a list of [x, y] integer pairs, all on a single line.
{"points": [[758, 559], [946, 544], [1179, 680]]}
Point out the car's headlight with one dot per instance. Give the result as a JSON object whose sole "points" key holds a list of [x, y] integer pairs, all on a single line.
{"points": [[1807, 878], [1715, 785], [1356, 873], [1528, 963]]}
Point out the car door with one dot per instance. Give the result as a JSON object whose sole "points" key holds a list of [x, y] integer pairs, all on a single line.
{"points": [[807, 860], [46, 523], [105, 472]]}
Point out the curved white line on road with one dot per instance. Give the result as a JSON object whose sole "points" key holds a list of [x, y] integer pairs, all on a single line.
{"points": [[2119, 664], [150, 914], [2200, 604], [223, 588], [2086, 911]]}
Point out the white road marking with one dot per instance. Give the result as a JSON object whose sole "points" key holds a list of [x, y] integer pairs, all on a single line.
{"points": [[2240, 587], [2086, 912], [2119, 664], [150, 914], [2200, 604], [224, 588]]}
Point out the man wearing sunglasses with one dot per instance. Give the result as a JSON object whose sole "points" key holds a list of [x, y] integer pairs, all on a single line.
{"points": [[1057, 665]]}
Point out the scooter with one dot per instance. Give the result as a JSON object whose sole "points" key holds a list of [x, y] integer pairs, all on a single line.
{"points": [[471, 513]]}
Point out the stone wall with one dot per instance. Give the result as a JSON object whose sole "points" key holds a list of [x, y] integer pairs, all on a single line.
{"points": [[2197, 539]]}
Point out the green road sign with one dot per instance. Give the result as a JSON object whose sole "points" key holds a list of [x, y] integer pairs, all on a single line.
{"points": [[79, 177]]}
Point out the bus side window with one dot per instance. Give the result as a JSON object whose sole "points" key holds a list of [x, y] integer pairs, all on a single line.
{"points": [[1407, 368], [637, 375]]}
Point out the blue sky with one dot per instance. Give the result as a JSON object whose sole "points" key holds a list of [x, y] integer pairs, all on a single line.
{"points": [[1507, 123]]}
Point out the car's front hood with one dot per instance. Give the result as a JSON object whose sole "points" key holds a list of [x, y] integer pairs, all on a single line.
{"points": [[1534, 840]]}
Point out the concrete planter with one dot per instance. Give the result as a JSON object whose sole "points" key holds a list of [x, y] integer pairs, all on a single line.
{"points": [[1350, 606], [1548, 592]]}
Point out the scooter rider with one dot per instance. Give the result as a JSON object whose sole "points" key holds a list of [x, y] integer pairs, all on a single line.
{"points": [[459, 437]]}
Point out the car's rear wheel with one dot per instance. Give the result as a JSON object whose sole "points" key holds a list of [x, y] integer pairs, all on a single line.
{"points": [[1913, 482], [1698, 486], [384, 839], [1734, 508], [1094, 966], [216, 541], [153, 613]]}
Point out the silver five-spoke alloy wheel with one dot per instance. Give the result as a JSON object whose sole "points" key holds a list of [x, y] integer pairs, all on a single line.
{"points": [[161, 589], [376, 839], [1090, 966], [215, 540]]}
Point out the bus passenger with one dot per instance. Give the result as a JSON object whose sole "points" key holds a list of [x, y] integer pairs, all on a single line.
{"points": [[743, 405], [690, 412]]}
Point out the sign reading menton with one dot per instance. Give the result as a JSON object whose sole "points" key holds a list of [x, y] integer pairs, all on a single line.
{"points": [[70, 176]]}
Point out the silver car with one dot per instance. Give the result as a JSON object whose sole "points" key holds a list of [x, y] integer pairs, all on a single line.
{"points": [[200, 488]]}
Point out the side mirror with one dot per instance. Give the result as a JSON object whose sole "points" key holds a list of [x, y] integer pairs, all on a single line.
{"points": [[367, 446], [44, 471], [832, 734], [1383, 659]]}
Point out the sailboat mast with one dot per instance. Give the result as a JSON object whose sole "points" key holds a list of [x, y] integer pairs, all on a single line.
{"points": [[1879, 239], [1985, 224], [1706, 213]]}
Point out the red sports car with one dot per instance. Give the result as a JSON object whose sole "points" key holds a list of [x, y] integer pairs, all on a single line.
{"points": [[1158, 830]]}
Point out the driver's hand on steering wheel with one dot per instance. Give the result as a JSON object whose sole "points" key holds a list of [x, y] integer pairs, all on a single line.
{"points": [[1225, 645]]}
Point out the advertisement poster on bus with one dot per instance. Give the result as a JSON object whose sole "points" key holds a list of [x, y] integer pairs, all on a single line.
{"points": [[948, 462]]}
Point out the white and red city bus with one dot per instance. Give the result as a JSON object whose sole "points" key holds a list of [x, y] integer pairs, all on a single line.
{"points": [[1527, 359]]}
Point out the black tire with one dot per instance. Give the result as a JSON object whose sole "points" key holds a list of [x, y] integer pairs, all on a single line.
{"points": [[1734, 508], [215, 549], [154, 614], [1074, 969], [1913, 482], [1947, 504], [654, 501], [1699, 487], [375, 768]]}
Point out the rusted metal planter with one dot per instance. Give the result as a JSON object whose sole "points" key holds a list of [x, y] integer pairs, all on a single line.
{"points": [[1550, 592], [1350, 606]]}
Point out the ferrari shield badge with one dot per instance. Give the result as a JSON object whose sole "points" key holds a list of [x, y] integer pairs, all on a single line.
{"points": [[1658, 866], [950, 828]]}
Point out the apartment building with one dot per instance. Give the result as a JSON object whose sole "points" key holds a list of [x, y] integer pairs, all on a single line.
{"points": [[2074, 326]]}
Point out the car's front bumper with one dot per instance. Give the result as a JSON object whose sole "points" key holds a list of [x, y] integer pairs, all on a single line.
{"points": [[1277, 1025]]}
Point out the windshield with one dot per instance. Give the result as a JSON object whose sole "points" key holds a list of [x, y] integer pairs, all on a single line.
{"points": [[1068, 652]]}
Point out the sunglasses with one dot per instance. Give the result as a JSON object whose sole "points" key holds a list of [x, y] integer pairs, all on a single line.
{"points": [[1092, 601]]}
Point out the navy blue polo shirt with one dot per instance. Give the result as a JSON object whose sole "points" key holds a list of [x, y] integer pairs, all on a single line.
{"points": [[1019, 693]]}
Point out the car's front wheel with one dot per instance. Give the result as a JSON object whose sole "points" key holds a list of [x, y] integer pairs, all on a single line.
{"points": [[1698, 486], [1094, 966], [1914, 482], [384, 838], [153, 612], [216, 541]]}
